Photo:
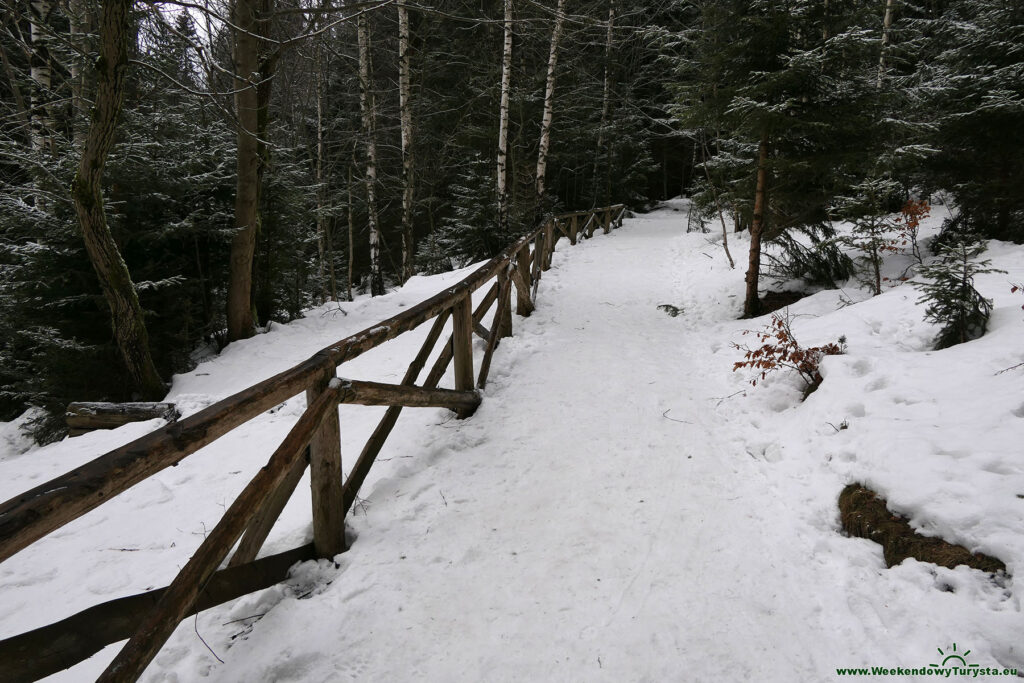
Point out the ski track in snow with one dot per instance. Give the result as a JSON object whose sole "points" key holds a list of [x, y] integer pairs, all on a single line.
{"points": [[620, 507]]}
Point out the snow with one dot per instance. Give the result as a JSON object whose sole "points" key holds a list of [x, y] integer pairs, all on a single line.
{"points": [[622, 506]]}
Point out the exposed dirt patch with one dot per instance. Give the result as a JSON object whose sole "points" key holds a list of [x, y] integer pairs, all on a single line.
{"points": [[865, 515], [774, 301]]}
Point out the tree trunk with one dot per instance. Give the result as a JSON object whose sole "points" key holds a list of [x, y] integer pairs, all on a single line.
{"points": [[321, 223], [714, 195], [40, 72], [751, 304], [367, 105], [549, 101], [20, 103], [600, 152], [330, 260], [886, 25], [249, 171], [351, 232], [116, 34], [506, 81], [80, 26], [405, 106]]}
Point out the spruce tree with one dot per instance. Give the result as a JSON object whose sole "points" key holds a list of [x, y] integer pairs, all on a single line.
{"points": [[952, 300], [971, 93]]}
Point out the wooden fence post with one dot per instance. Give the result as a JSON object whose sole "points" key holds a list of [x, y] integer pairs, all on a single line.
{"points": [[549, 244], [505, 302], [263, 522], [325, 477], [573, 228], [159, 622], [538, 261], [607, 221], [462, 346], [502, 315], [524, 305]]}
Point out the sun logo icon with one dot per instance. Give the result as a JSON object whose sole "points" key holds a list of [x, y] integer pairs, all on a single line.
{"points": [[953, 657]]}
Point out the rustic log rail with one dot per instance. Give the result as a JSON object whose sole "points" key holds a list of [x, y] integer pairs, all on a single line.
{"points": [[83, 417], [313, 441]]}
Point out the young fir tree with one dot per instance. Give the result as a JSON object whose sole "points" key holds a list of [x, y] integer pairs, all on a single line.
{"points": [[874, 231], [952, 300]]}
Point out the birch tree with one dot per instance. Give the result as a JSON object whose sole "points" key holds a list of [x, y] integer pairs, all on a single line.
{"points": [[549, 104], [886, 27], [41, 73], [506, 82], [405, 114], [367, 106]]}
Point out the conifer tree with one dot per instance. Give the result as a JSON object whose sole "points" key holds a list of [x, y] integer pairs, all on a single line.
{"points": [[951, 298], [972, 95]]}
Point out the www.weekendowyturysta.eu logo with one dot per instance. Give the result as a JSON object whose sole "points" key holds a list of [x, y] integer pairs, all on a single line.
{"points": [[954, 659], [952, 663]]}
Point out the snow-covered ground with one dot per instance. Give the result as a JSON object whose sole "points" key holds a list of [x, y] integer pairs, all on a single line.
{"points": [[622, 506]]}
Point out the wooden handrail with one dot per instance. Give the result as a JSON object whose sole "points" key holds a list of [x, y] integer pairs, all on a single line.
{"points": [[380, 394], [28, 517], [35, 513], [48, 649], [179, 598]]}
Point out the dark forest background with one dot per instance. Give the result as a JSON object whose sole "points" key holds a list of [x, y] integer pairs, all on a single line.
{"points": [[850, 108]]}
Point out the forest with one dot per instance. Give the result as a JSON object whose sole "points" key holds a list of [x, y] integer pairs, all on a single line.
{"points": [[177, 176]]}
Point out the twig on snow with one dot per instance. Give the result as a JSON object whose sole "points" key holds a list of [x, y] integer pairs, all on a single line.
{"points": [[665, 415]]}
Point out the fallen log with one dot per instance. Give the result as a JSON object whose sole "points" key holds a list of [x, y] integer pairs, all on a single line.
{"points": [[864, 514], [82, 417], [49, 649]]}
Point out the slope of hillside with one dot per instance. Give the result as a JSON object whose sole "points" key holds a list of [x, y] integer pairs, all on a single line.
{"points": [[622, 506]]}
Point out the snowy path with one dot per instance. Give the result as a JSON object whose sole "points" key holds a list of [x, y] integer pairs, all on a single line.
{"points": [[608, 514], [570, 530]]}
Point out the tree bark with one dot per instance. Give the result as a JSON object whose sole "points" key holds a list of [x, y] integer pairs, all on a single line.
{"points": [[367, 105], [886, 25], [605, 113], [351, 234], [752, 304], [41, 73], [20, 103], [718, 205], [323, 239], [80, 26], [549, 101], [506, 81], [405, 107], [116, 33], [249, 169]]}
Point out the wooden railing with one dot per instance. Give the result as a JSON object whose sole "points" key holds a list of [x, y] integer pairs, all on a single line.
{"points": [[315, 440]]}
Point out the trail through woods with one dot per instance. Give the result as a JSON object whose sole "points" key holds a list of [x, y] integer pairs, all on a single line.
{"points": [[622, 506]]}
